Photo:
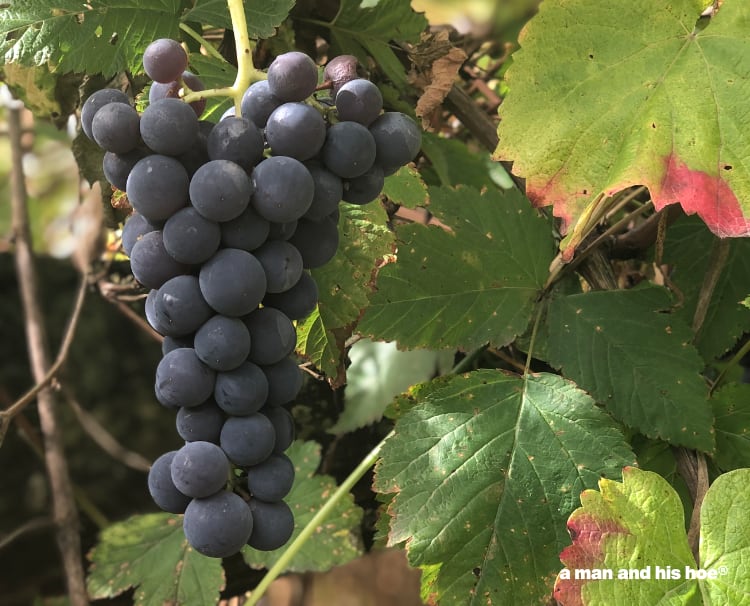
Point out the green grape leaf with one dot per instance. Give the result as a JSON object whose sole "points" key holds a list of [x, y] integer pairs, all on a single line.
{"points": [[630, 547], [590, 113], [214, 73], [471, 281], [99, 37], [344, 284], [336, 541], [263, 16], [659, 457], [687, 249], [378, 372], [46, 94], [634, 525], [361, 28], [324, 348], [454, 163], [725, 539], [731, 406], [150, 553], [484, 469], [406, 188], [635, 361]]}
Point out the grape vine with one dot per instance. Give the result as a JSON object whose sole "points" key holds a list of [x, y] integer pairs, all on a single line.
{"points": [[372, 334]]}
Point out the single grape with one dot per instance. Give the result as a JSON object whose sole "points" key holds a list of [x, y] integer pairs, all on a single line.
{"points": [[317, 241], [272, 335], [284, 382], [180, 307], [136, 226], [115, 128], [340, 70], [200, 423], [359, 100], [349, 150], [161, 487], [218, 526], [299, 301], [238, 140], [397, 140], [220, 190], [329, 190], [150, 262], [183, 380], [292, 76], [191, 238], [164, 60], [151, 317], [157, 187], [282, 263], [365, 188], [117, 167], [273, 525], [272, 479], [233, 282], [200, 469], [247, 440], [222, 343], [95, 102], [296, 130], [241, 391], [246, 232], [258, 102], [284, 189], [169, 127], [283, 426]]}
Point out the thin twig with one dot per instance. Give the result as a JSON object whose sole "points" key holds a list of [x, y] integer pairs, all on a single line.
{"points": [[63, 502], [31, 526], [521, 367], [62, 356], [717, 262], [735, 361], [105, 440], [137, 320], [693, 468]]}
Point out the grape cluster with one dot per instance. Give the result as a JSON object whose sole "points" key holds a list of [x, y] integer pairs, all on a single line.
{"points": [[228, 220]]}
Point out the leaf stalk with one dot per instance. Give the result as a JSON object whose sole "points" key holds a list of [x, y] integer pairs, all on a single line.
{"points": [[316, 521], [246, 71]]}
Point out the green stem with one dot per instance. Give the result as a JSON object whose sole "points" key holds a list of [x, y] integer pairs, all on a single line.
{"points": [[246, 71], [210, 49], [313, 525], [465, 363], [244, 48], [735, 361], [532, 341]]}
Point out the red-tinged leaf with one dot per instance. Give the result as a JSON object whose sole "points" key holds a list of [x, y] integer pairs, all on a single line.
{"points": [[660, 103], [630, 545], [699, 192], [634, 524]]}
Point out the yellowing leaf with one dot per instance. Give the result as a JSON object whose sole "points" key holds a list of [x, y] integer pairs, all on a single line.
{"points": [[605, 95]]}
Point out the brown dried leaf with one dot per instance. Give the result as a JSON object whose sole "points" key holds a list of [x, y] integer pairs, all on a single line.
{"points": [[438, 78]]}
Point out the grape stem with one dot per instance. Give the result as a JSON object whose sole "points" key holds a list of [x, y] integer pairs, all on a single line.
{"points": [[312, 526], [246, 71]]}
